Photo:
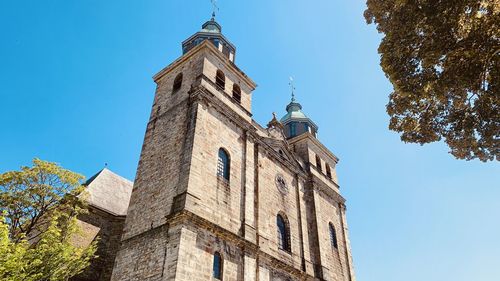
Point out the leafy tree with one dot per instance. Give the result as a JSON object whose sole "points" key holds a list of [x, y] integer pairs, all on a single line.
{"points": [[443, 60], [11, 255], [31, 194], [38, 228]]}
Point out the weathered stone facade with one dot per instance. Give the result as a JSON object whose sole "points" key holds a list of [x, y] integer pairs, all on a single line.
{"points": [[182, 210], [108, 197], [109, 229]]}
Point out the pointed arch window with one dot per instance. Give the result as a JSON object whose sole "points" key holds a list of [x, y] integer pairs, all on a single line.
{"points": [[223, 164], [237, 93], [217, 267], [283, 233], [333, 236], [220, 80], [177, 83]]}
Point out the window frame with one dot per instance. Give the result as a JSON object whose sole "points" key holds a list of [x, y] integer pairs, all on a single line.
{"points": [[328, 171], [293, 129], [223, 164], [237, 93], [318, 163], [333, 236], [283, 233], [218, 272], [220, 80], [177, 85]]}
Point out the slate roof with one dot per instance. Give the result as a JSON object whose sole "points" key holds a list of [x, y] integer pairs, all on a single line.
{"points": [[109, 192]]}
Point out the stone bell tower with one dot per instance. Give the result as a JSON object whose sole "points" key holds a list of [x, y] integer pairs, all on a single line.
{"points": [[219, 197]]}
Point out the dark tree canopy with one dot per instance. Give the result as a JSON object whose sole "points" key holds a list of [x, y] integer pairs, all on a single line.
{"points": [[443, 60]]}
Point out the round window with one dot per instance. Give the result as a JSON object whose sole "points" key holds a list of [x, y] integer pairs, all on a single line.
{"points": [[281, 184]]}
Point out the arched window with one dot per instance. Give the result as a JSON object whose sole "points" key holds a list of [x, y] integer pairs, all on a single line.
{"points": [[318, 163], [283, 234], [328, 171], [220, 80], [177, 83], [333, 236], [223, 164], [217, 269], [237, 93]]}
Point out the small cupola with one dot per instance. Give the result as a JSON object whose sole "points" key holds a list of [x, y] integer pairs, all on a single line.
{"points": [[295, 122], [211, 31]]}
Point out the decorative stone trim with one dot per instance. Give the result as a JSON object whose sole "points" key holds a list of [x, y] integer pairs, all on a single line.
{"points": [[201, 94], [332, 194]]}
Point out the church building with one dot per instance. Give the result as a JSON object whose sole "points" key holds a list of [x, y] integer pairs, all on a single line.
{"points": [[218, 196]]}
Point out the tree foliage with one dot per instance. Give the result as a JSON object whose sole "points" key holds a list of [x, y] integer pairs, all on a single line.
{"points": [[39, 206], [443, 60], [29, 195]]}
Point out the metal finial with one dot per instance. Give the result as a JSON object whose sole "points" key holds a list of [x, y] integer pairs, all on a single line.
{"points": [[293, 88], [214, 8], [105, 165]]}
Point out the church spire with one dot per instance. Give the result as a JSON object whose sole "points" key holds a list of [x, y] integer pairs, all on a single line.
{"points": [[293, 88], [214, 8]]}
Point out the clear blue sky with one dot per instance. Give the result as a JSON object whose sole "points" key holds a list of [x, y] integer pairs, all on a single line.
{"points": [[76, 88]]}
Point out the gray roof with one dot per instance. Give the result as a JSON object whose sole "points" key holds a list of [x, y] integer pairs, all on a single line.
{"points": [[109, 192]]}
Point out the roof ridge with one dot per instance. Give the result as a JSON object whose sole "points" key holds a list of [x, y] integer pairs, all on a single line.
{"points": [[92, 178], [117, 175]]}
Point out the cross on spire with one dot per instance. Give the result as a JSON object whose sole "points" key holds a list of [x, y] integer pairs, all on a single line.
{"points": [[292, 86], [214, 8]]}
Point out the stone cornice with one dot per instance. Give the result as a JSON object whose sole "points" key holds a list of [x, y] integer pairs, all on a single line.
{"points": [[324, 176], [206, 45], [200, 93], [294, 166], [319, 186], [321, 146], [186, 217], [209, 81]]}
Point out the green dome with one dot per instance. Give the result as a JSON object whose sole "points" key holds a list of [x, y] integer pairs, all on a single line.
{"points": [[294, 111], [296, 122], [211, 26]]}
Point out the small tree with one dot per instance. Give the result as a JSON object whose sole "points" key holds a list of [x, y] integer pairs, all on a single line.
{"points": [[40, 205]]}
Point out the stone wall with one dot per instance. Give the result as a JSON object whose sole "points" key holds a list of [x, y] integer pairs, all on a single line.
{"points": [[196, 253], [333, 259], [216, 199], [151, 256], [109, 230], [272, 202], [181, 212], [162, 169]]}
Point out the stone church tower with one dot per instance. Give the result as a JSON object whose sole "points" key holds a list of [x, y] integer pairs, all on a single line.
{"points": [[217, 196]]}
